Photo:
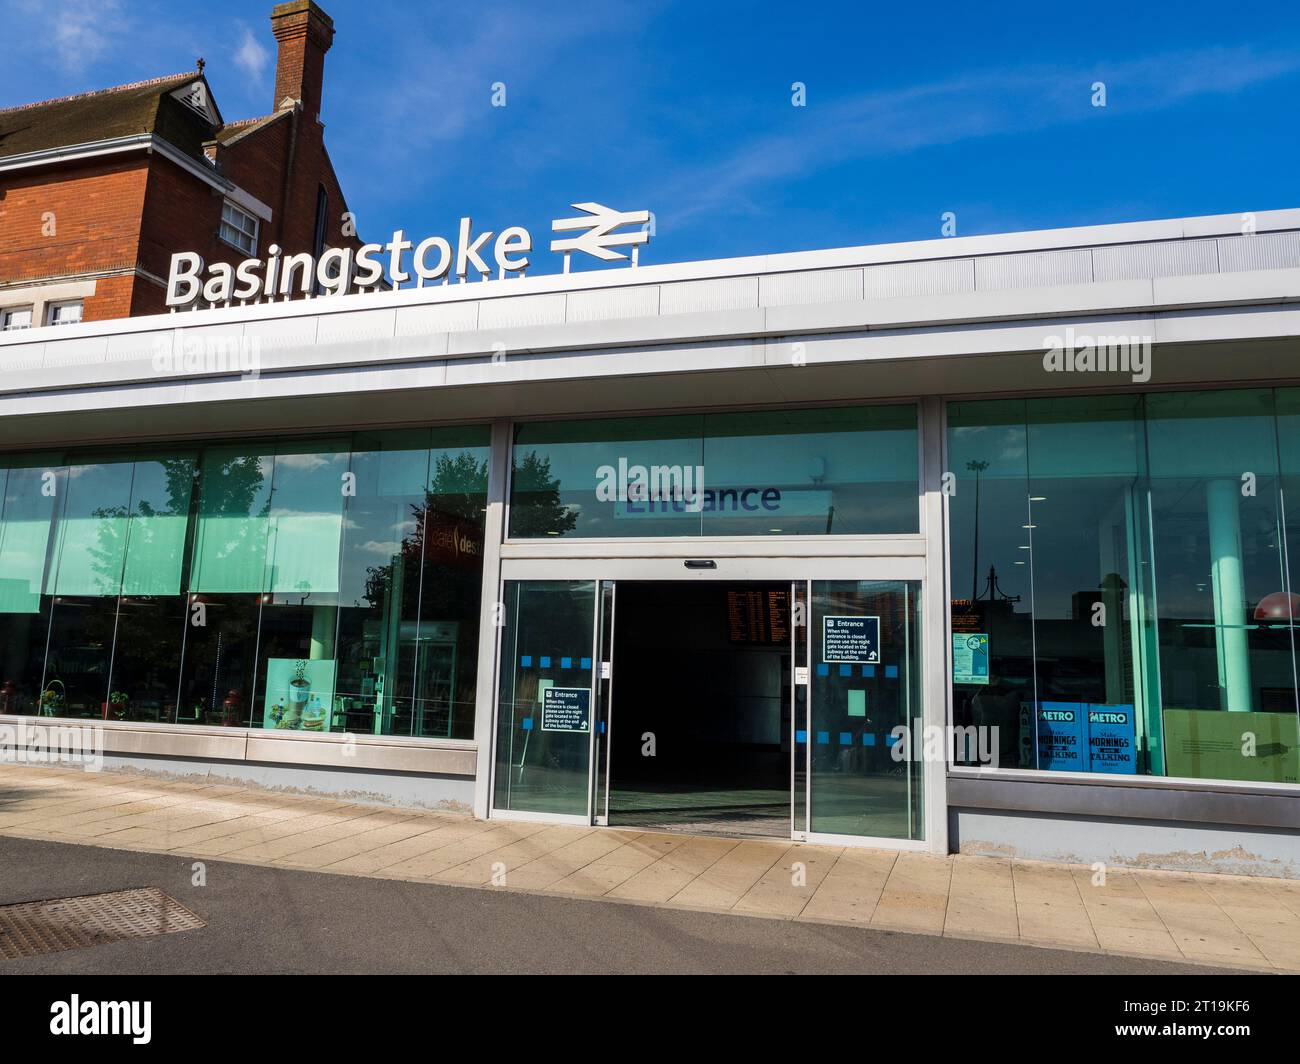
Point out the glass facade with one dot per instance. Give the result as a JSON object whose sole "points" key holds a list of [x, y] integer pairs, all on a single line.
{"points": [[326, 584], [841, 471], [1121, 568]]}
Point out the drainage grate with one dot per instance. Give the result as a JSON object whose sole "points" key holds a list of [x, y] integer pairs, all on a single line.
{"points": [[38, 927]]}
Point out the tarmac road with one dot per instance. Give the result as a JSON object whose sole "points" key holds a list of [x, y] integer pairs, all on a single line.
{"points": [[280, 921]]}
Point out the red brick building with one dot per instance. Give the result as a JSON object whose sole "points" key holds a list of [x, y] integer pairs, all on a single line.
{"points": [[98, 190]]}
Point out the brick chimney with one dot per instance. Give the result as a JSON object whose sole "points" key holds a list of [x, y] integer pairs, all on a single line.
{"points": [[303, 33]]}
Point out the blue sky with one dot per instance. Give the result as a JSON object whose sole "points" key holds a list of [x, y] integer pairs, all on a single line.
{"points": [[684, 108]]}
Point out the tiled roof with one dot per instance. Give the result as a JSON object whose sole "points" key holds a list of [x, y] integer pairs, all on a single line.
{"points": [[122, 111], [232, 131]]}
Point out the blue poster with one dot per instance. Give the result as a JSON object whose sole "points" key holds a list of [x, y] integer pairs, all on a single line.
{"points": [[1111, 739], [1061, 745]]}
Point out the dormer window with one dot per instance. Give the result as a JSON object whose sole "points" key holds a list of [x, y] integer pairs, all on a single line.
{"points": [[195, 96], [238, 228]]}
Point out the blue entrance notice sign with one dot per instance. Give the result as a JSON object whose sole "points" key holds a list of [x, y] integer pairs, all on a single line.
{"points": [[566, 709], [851, 640], [1060, 736], [1111, 739]]}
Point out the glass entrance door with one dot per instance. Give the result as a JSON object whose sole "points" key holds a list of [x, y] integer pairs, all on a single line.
{"points": [[546, 699], [619, 702], [864, 758]]}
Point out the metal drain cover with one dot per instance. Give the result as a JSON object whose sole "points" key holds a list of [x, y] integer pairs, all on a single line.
{"points": [[36, 927]]}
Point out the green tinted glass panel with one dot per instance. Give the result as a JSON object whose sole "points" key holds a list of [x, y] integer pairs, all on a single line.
{"points": [[25, 527], [160, 507], [91, 540], [579, 478], [306, 516], [1129, 567], [233, 521], [380, 586], [850, 470]]}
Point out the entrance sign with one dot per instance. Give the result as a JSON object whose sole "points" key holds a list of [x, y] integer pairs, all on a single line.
{"points": [[851, 640], [434, 259], [743, 501], [970, 657], [566, 709]]}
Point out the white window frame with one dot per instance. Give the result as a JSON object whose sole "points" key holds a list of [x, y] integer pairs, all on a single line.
{"points": [[237, 226], [52, 309], [7, 313]]}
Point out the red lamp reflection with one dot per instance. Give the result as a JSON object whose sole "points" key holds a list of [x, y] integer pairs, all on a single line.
{"points": [[1280, 607]]}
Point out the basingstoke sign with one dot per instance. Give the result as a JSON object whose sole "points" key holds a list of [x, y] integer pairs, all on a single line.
{"points": [[338, 270]]}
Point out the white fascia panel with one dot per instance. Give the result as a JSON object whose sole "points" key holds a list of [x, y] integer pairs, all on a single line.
{"points": [[1228, 324]]}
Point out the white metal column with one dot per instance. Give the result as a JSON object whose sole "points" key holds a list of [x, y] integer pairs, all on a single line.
{"points": [[936, 646], [489, 626]]}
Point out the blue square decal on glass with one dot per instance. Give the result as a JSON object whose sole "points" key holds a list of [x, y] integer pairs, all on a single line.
{"points": [[869, 739], [823, 669], [846, 670], [545, 663], [823, 738], [846, 738], [586, 663], [566, 663], [891, 672], [891, 739], [869, 671], [800, 736], [526, 661], [526, 724]]}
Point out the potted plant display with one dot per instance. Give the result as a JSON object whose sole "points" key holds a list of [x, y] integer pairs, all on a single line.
{"points": [[52, 700], [119, 702]]}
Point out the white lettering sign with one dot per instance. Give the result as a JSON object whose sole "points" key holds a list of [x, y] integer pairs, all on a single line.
{"points": [[434, 259]]}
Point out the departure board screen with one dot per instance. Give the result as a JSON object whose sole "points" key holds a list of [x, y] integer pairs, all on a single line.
{"points": [[758, 616]]}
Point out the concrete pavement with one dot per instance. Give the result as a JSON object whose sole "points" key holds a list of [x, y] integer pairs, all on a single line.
{"points": [[1231, 921]]}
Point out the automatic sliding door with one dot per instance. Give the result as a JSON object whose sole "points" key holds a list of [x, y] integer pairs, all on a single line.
{"points": [[604, 701], [799, 687], [865, 777], [545, 705]]}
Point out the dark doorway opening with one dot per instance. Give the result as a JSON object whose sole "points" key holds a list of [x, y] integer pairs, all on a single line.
{"points": [[700, 728]]}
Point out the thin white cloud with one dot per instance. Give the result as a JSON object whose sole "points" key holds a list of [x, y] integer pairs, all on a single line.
{"points": [[307, 462], [251, 56], [383, 549], [78, 32], [901, 121]]}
